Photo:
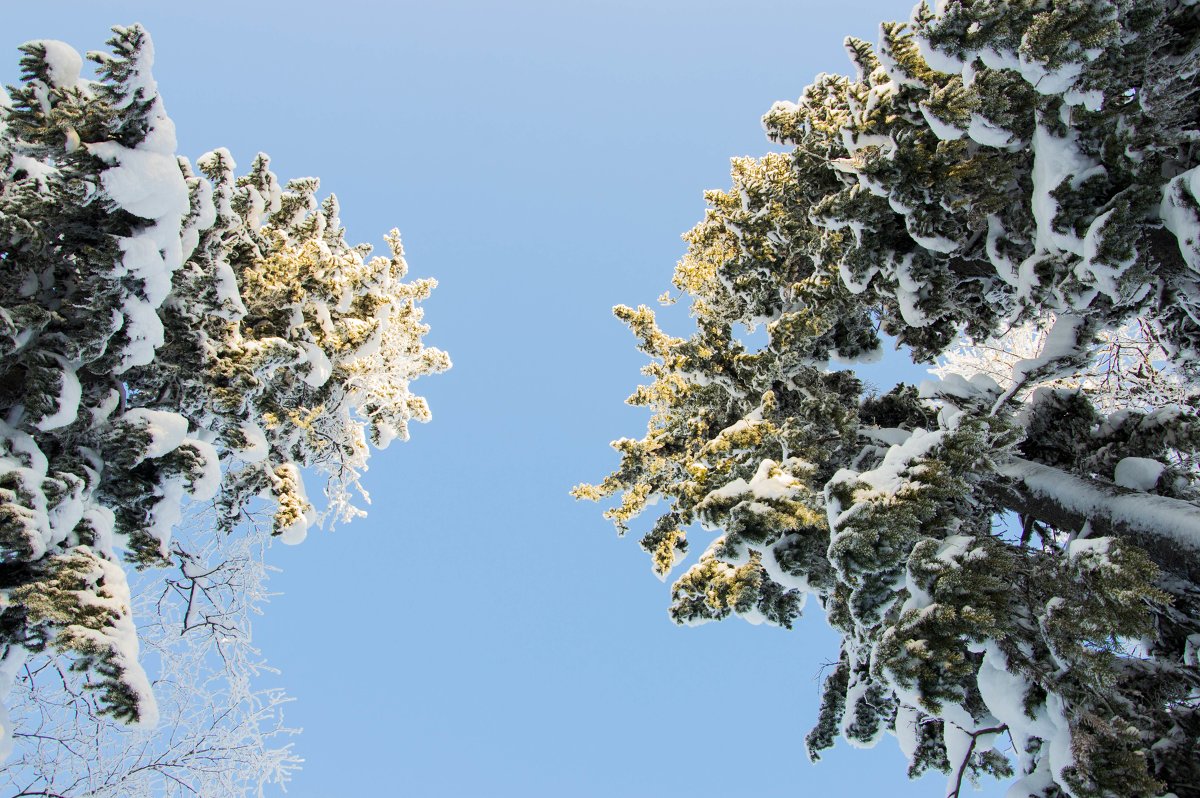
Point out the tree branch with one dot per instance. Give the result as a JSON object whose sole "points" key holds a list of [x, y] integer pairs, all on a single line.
{"points": [[966, 760]]}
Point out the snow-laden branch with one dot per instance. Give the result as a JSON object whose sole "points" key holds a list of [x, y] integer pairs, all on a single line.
{"points": [[1167, 529]]}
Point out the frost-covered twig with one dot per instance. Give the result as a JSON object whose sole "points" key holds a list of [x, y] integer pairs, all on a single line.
{"points": [[222, 734]]}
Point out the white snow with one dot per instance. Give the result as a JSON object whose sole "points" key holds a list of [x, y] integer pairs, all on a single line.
{"points": [[912, 315], [908, 289], [22, 463], [1092, 100], [778, 575], [1003, 692], [67, 401], [298, 530], [145, 331], [888, 436], [63, 63], [1005, 268], [884, 480], [37, 170], [206, 485], [320, 369], [1062, 343], [988, 134], [69, 509], [979, 386], [936, 59], [1046, 81], [1104, 275], [1138, 473], [120, 635], [206, 214], [145, 182], [105, 407], [770, 481], [143, 259], [1054, 160], [856, 691], [384, 434], [1084, 546], [906, 730], [256, 448], [167, 430], [943, 130], [166, 513], [994, 59], [853, 285], [958, 743], [103, 523], [935, 242], [1178, 210]]}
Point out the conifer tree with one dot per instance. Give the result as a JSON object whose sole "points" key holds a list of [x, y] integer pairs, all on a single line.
{"points": [[167, 335], [1011, 565]]}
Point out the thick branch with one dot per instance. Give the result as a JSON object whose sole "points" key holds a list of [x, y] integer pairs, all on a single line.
{"points": [[1168, 530]]}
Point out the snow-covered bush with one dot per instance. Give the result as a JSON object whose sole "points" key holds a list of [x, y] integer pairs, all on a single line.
{"points": [[166, 336], [1013, 567]]}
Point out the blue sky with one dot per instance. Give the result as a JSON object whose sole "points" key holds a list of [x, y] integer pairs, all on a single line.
{"points": [[481, 633]]}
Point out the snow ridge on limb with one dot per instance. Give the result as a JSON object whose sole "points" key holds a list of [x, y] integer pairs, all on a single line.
{"points": [[166, 337], [1168, 529], [1009, 555]]}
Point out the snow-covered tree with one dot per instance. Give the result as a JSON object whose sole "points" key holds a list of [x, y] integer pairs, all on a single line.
{"points": [[165, 335], [1012, 566]]}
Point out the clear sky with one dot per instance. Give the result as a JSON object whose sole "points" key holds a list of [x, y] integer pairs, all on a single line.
{"points": [[481, 633]]}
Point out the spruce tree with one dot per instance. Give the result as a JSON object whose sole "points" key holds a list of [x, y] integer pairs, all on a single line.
{"points": [[167, 335], [1013, 569]]}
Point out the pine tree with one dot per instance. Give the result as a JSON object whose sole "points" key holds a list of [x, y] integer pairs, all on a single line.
{"points": [[166, 336], [1012, 567]]}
